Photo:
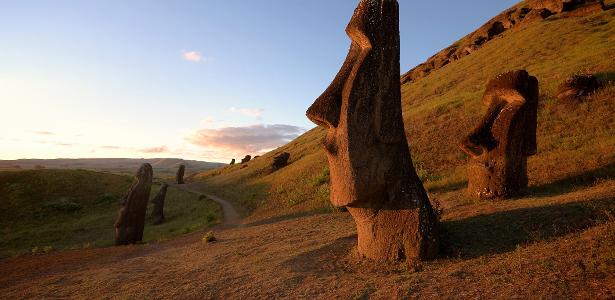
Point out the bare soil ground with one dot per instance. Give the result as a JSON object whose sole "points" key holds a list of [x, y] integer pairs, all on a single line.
{"points": [[544, 246]]}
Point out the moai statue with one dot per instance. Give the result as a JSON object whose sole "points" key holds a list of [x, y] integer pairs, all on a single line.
{"points": [[158, 201], [179, 178], [232, 162], [369, 159], [246, 159], [506, 136], [280, 161], [131, 216]]}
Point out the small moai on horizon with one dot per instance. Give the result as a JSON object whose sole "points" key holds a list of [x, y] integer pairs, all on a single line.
{"points": [[246, 159], [131, 215], [499, 146], [179, 177], [369, 160], [158, 201], [280, 161], [232, 162]]}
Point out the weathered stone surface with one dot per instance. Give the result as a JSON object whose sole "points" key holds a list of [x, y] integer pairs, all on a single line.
{"points": [[576, 87], [131, 215], [179, 177], [520, 15], [158, 201], [232, 162], [246, 159], [280, 161], [506, 136], [369, 160]]}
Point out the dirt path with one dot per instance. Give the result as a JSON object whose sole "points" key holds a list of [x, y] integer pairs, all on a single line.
{"points": [[231, 216]]}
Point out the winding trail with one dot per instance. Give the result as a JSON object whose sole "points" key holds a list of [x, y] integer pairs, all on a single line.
{"points": [[231, 216]]}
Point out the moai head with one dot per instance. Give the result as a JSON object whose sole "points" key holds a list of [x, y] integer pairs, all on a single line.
{"points": [[500, 144], [362, 107]]}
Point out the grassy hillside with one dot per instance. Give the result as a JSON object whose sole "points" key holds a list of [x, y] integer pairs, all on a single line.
{"points": [[46, 210], [576, 143]]}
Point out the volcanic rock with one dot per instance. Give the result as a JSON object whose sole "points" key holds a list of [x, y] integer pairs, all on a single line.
{"points": [[179, 177], [280, 161], [131, 215], [505, 137], [158, 201], [370, 165], [576, 87]]}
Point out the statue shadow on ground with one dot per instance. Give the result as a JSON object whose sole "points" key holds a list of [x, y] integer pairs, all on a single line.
{"points": [[503, 232], [572, 182], [473, 237]]}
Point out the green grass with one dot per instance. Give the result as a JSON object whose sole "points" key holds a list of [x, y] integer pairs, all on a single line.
{"points": [[441, 108], [41, 210]]}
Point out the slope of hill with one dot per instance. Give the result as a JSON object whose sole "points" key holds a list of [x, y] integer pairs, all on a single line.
{"points": [[163, 167], [41, 210], [576, 143]]}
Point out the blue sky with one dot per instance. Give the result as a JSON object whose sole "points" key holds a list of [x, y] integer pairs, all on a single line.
{"points": [[208, 80]]}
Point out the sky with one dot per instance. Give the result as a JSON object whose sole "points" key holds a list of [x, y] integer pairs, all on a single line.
{"points": [[207, 80]]}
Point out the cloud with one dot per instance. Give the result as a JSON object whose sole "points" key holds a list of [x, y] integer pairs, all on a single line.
{"points": [[255, 139], [250, 112], [193, 56], [161, 149], [44, 132], [110, 147], [63, 144]]}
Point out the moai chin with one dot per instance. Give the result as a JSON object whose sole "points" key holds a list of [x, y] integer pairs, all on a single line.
{"points": [[369, 160], [505, 137], [131, 215], [179, 177]]}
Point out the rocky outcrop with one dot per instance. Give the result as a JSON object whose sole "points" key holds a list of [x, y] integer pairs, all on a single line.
{"points": [[505, 137], [158, 201], [576, 87], [232, 162], [521, 15], [280, 161], [131, 215], [370, 165], [246, 159], [179, 177]]}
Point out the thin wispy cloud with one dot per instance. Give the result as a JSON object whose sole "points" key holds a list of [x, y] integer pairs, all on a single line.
{"points": [[44, 133], [110, 147], [154, 150], [193, 56], [255, 139]]}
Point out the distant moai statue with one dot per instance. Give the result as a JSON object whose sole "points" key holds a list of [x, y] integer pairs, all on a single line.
{"points": [[280, 161], [131, 215], [179, 178], [369, 160], [232, 162], [246, 159], [505, 137], [158, 201]]}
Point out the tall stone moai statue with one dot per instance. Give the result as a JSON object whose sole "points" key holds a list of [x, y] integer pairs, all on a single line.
{"points": [[131, 215], [179, 177], [505, 137], [369, 159], [158, 201]]}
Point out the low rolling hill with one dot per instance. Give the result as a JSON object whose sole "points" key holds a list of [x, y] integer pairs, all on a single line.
{"points": [[46, 210]]}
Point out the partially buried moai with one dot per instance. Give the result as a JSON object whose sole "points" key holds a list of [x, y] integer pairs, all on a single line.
{"points": [[158, 201], [505, 137], [369, 160], [179, 177], [131, 215]]}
